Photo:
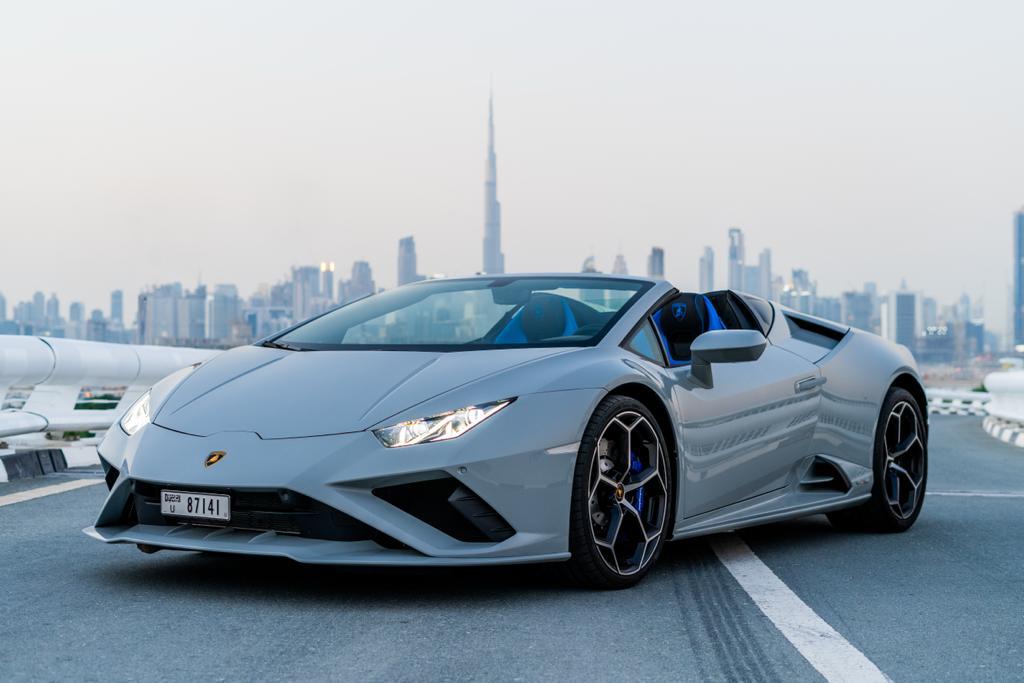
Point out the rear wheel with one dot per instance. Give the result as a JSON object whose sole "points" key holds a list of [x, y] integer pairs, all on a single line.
{"points": [[900, 468], [621, 496]]}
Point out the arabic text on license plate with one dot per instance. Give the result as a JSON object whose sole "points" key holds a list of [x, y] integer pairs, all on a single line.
{"points": [[195, 505]]}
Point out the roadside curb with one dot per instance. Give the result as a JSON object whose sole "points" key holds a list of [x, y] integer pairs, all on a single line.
{"points": [[36, 463], [1007, 432]]}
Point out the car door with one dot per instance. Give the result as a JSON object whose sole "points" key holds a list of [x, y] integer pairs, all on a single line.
{"points": [[742, 436]]}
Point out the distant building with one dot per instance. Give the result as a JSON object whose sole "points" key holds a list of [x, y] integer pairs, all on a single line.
{"points": [[96, 327], [737, 259], [828, 307], [589, 265], [38, 310], [620, 267], [361, 284], [76, 312], [305, 291], [707, 270], [190, 317], [494, 259], [901, 320], [764, 275], [656, 263], [223, 312], [3, 308], [1018, 278], [158, 314], [327, 280], [407, 266], [858, 310], [117, 307]]}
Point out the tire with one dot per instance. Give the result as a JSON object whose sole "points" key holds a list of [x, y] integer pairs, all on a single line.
{"points": [[621, 496], [900, 469]]}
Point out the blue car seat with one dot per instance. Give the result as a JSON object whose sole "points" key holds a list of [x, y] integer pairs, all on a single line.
{"points": [[681, 321], [544, 316]]}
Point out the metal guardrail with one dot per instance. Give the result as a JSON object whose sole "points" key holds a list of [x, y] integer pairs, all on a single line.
{"points": [[68, 385]]}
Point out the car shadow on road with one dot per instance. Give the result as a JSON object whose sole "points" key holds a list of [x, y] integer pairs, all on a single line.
{"points": [[248, 577]]}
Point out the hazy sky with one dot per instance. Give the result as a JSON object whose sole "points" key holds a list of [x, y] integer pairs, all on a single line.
{"points": [[145, 142]]}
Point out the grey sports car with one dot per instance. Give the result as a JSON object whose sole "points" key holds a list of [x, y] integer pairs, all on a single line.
{"points": [[581, 419]]}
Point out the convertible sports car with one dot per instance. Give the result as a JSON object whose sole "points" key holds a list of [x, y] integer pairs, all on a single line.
{"points": [[583, 419]]}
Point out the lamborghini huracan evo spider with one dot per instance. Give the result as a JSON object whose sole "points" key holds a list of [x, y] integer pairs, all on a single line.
{"points": [[581, 419]]}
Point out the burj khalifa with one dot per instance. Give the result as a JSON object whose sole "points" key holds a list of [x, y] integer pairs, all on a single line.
{"points": [[494, 259]]}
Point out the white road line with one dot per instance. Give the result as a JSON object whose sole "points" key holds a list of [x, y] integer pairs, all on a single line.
{"points": [[43, 491], [976, 494], [820, 644]]}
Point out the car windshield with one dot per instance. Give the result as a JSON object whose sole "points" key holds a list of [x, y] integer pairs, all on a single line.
{"points": [[479, 313]]}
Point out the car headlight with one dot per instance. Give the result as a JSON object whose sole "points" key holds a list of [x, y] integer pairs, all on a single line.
{"points": [[438, 427], [137, 416]]}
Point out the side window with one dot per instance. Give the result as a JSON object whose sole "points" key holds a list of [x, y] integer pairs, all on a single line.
{"points": [[644, 343]]}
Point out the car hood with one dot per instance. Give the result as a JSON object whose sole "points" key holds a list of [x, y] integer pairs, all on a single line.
{"points": [[281, 394]]}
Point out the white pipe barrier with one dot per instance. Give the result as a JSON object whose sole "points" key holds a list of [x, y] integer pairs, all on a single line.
{"points": [[1005, 419], [53, 372], [1007, 390]]}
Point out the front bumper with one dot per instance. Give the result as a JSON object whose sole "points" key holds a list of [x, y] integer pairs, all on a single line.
{"points": [[519, 464]]}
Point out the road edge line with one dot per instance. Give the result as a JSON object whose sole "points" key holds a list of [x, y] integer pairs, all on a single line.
{"points": [[43, 491], [821, 645]]}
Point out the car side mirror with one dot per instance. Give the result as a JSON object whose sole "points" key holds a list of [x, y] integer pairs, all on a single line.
{"points": [[723, 346]]}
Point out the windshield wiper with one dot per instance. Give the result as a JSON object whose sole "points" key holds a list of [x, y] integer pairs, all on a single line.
{"points": [[281, 345]]}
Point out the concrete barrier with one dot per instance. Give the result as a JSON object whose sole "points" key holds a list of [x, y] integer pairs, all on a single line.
{"points": [[957, 402]]}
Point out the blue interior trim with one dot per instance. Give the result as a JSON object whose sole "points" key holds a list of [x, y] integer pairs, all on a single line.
{"points": [[714, 320], [664, 342], [513, 332]]}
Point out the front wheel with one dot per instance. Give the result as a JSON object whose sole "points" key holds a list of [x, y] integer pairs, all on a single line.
{"points": [[621, 495], [900, 468]]}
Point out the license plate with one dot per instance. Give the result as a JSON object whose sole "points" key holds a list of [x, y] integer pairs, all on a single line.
{"points": [[195, 505]]}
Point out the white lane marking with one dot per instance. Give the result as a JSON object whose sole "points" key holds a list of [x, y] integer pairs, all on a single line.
{"points": [[832, 655], [976, 494], [43, 491]]}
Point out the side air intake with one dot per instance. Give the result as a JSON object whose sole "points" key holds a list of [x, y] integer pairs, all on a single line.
{"points": [[822, 475]]}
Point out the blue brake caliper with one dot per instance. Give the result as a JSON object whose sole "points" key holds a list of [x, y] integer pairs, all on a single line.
{"points": [[635, 466]]}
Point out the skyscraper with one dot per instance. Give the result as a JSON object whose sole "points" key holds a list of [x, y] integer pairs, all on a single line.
{"points": [[1018, 278], [707, 270], [656, 263], [407, 261], [764, 275], [117, 307], [620, 267], [737, 259], [225, 309], [3, 308], [361, 284], [327, 280], [305, 290], [494, 260]]}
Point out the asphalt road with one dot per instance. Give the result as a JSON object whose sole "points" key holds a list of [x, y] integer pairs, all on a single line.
{"points": [[942, 602]]}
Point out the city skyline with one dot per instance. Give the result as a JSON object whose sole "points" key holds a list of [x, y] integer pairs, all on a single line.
{"points": [[233, 164], [220, 315]]}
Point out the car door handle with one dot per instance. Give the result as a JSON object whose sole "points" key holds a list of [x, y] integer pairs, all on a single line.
{"points": [[808, 383]]}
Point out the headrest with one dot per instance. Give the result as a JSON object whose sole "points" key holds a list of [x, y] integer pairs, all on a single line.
{"points": [[683, 317], [682, 320], [543, 317]]}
